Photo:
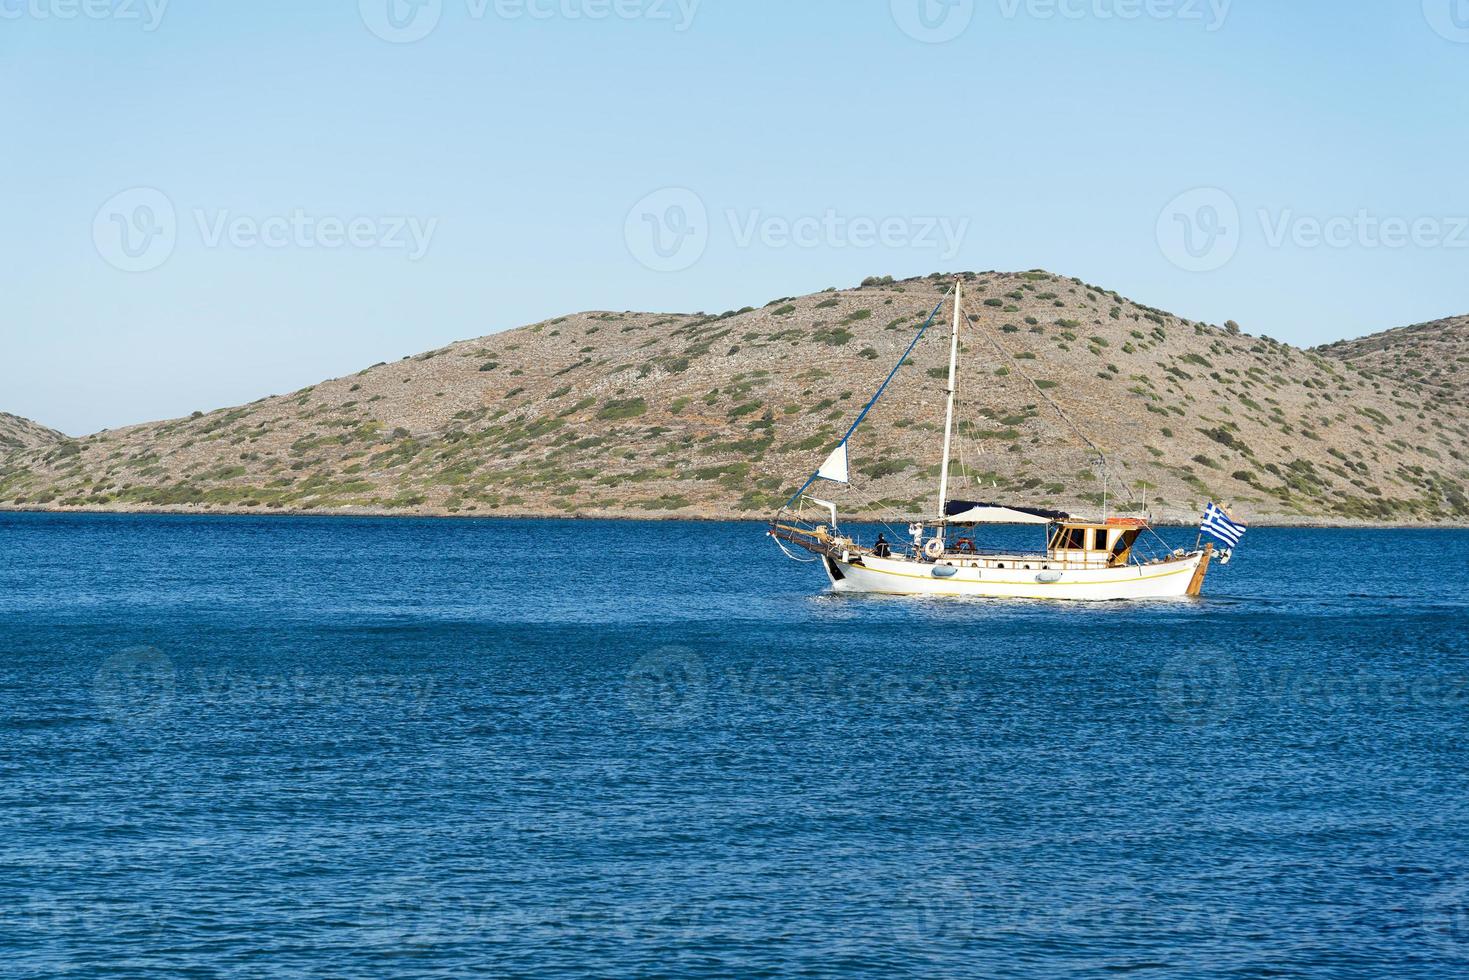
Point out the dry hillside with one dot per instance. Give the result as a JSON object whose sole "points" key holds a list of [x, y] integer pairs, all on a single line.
{"points": [[1432, 358], [640, 414], [19, 433]]}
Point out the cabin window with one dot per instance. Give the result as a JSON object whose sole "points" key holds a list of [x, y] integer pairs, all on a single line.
{"points": [[1071, 539]]}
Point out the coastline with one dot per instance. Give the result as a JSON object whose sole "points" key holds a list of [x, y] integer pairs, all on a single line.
{"points": [[712, 517]]}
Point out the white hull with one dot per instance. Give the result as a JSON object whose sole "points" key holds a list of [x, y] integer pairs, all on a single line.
{"points": [[869, 574]]}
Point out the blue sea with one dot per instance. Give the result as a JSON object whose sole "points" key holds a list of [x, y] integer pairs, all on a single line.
{"points": [[413, 748]]}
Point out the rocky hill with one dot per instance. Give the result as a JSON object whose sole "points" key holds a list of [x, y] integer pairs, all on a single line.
{"points": [[19, 433], [1430, 358], [695, 415]]}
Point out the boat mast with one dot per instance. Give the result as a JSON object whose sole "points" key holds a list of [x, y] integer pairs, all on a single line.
{"points": [[949, 416]]}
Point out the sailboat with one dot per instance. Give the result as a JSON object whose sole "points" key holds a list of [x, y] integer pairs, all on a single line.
{"points": [[1080, 559]]}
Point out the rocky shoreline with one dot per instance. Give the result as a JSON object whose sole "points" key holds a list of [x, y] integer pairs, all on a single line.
{"points": [[438, 513]]}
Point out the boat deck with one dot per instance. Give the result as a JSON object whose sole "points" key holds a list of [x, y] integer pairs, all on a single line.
{"points": [[981, 558]]}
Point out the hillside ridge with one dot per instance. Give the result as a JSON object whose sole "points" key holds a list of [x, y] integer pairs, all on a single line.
{"points": [[20, 433], [1431, 358], [608, 414]]}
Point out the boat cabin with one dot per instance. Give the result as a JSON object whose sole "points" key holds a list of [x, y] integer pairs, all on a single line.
{"points": [[1106, 544]]}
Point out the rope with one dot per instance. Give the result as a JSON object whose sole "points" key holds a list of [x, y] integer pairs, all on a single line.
{"points": [[862, 498], [791, 555], [1064, 417], [863, 415]]}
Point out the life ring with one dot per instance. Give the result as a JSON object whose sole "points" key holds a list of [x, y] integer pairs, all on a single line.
{"points": [[965, 546], [934, 549]]}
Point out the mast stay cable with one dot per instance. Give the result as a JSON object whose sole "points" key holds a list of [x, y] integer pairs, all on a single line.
{"points": [[1080, 434], [871, 404]]}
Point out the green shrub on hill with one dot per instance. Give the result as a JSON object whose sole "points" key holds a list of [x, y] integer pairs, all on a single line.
{"points": [[626, 408]]}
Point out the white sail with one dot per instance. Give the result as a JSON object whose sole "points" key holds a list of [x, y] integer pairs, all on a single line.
{"points": [[835, 467]]}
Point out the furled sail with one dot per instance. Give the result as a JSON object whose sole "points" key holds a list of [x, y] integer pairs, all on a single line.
{"points": [[964, 512]]}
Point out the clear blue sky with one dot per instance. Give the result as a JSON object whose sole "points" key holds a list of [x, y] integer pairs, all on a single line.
{"points": [[519, 144]]}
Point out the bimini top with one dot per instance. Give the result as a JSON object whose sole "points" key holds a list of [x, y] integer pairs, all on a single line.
{"points": [[964, 512]]}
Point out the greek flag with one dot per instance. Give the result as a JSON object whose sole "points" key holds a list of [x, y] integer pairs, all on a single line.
{"points": [[1220, 527]]}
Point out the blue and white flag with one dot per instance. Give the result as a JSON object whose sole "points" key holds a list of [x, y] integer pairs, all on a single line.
{"points": [[1219, 526]]}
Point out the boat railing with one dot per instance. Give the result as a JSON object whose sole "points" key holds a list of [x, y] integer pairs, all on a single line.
{"points": [[1042, 562], [1034, 557], [993, 553]]}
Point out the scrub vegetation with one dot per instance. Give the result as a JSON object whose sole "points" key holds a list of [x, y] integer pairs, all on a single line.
{"points": [[723, 415]]}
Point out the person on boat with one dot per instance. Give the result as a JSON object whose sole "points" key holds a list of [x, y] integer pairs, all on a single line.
{"points": [[881, 548]]}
